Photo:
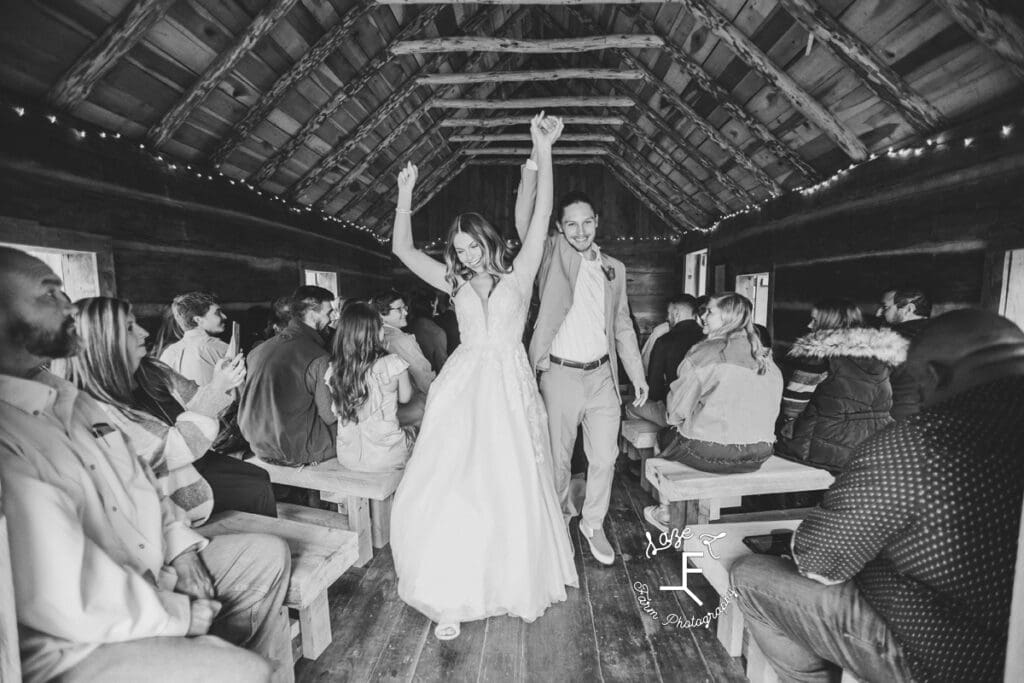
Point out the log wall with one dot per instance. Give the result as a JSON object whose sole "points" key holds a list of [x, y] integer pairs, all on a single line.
{"points": [[159, 232], [941, 221]]}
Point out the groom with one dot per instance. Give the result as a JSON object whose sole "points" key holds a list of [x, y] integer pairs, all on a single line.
{"points": [[582, 329]]}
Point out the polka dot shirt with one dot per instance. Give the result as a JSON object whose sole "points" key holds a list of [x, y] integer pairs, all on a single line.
{"points": [[925, 521]]}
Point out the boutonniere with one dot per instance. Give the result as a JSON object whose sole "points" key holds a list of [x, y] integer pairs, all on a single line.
{"points": [[609, 272]]}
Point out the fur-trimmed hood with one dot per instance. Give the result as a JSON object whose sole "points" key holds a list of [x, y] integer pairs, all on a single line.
{"points": [[883, 345]]}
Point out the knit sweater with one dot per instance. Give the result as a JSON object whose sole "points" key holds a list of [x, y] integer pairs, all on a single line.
{"points": [[170, 450]]}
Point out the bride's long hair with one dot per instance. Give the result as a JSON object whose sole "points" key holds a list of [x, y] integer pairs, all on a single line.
{"points": [[496, 257]]}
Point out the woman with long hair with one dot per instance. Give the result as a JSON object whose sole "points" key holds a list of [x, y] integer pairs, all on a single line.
{"points": [[723, 405], [477, 528], [168, 420], [847, 392], [367, 383]]}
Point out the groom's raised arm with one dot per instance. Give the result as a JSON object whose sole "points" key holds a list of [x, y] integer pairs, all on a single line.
{"points": [[526, 196]]}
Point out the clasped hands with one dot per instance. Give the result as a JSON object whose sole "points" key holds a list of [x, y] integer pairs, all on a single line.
{"points": [[194, 581]]}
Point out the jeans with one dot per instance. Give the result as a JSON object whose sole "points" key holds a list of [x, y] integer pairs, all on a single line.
{"points": [[237, 485], [250, 575], [809, 631], [707, 456]]}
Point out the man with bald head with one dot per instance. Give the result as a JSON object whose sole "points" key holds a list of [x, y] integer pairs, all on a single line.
{"points": [[110, 582], [905, 570]]}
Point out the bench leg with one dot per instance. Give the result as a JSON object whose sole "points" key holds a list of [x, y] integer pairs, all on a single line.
{"points": [[645, 453], [730, 630], [380, 520], [358, 510], [682, 513], [315, 626]]}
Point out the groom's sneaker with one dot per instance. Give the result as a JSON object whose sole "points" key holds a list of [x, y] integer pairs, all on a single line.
{"points": [[599, 545]]}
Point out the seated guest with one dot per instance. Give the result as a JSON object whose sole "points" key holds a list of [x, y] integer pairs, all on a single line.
{"points": [[853, 399], [672, 347], [432, 339], [168, 333], [168, 421], [110, 583], [446, 319], [657, 332], [906, 311], [284, 410], [392, 310], [367, 383], [200, 316], [905, 571], [723, 406]]}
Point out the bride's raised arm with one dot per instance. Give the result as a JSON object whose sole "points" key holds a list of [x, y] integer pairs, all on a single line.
{"points": [[427, 269], [544, 136]]}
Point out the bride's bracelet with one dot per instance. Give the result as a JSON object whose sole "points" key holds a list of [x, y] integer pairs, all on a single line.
{"points": [[402, 211]]}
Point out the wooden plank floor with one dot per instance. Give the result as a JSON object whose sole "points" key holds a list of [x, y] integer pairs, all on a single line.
{"points": [[599, 634]]}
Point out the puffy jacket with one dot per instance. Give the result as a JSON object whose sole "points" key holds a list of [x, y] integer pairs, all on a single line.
{"points": [[852, 403]]}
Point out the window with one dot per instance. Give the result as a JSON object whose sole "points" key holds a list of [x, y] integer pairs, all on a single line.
{"points": [[695, 282], [76, 268], [1011, 300], [754, 286], [323, 278]]}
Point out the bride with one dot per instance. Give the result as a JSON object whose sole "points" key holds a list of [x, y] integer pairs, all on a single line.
{"points": [[476, 527]]}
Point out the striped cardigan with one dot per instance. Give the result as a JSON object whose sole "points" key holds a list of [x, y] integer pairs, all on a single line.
{"points": [[171, 450]]}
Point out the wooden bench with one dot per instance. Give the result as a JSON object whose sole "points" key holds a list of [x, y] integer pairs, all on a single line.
{"points": [[320, 555], [696, 497], [363, 497], [639, 442]]}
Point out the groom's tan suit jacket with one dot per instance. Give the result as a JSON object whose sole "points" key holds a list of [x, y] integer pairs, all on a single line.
{"points": [[556, 281]]}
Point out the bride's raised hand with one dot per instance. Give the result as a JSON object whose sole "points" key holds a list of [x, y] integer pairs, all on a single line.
{"points": [[407, 178]]}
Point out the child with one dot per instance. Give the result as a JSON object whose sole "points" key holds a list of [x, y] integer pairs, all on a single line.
{"points": [[367, 384]]}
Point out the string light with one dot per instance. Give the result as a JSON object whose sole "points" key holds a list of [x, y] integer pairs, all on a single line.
{"points": [[295, 207]]}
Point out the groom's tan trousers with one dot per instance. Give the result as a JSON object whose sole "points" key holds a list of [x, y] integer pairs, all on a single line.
{"points": [[588, 397]]}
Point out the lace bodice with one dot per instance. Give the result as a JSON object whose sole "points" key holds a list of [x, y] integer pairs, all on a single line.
{"points": [[499, 319]]}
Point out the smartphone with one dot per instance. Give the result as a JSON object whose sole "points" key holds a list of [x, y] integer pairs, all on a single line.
{"points": [[777, 543], [234, 345]]}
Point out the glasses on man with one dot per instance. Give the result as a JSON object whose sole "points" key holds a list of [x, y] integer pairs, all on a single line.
{"points": [[588, 223]]}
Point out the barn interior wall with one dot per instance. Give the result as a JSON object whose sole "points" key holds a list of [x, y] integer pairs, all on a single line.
{"points": [[940, 221], [159, 232]]}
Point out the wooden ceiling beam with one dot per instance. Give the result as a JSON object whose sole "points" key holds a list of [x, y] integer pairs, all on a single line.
{"points": [[441, 176], [559, 161], [388, 107], [525, 137], [639, 188], [775, 76], [548, 46], [525, 120], [532, 103], [888, 85], [162, 131], [995, 28], [333, 39], [388, 140], [531, 75], [722, 97], [524, 152], [75, 84], [674, 136], [351, 86], [673, 190], [672, 97]]}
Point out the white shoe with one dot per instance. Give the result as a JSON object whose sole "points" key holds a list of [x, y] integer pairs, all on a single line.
{"points": [[600, 548], [657, 516]]}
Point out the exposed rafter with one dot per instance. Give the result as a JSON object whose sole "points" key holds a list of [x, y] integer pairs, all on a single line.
{"points": [[745, 49], [673, 98], [525, 137], [995, 28], [310, 61], [351, 86], [524, 152], [888, 85], [520, 120], [395, 100], [441, 176], [671, 192], [531, 75], [77, 82], [721, 96], [550, 46], [532, 103], [557, 161], [388, 140], [672, 217], [215, 72]]}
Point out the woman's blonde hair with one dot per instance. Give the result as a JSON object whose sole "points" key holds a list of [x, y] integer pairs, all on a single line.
{"points": [[102, 367], [496, 258], [738, 317], [836, 314]]}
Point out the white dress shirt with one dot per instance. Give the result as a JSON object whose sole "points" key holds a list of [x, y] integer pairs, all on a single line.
{"points": [[581, 338]]}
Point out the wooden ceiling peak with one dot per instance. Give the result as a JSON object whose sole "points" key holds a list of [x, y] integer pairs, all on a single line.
{"points": [[995, 28]]}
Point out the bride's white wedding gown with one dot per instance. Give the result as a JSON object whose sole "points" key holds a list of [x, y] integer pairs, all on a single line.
{"points": [[476, 527]]}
